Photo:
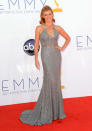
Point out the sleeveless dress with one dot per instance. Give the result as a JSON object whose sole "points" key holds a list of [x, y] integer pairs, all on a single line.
{"points": [[49, 105]]}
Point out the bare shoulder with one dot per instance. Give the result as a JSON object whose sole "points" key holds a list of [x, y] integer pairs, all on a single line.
{"points": [[39, 28], [59, 28], [62, 31]]}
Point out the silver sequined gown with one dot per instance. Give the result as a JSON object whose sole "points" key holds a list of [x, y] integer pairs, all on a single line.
{"points": [[49, 105]]}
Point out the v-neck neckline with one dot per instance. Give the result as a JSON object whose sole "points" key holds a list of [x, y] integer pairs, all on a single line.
{"points": [[47, 31]]}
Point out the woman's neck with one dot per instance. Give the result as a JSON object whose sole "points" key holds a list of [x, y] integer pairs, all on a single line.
{"points": [[48, 24]]}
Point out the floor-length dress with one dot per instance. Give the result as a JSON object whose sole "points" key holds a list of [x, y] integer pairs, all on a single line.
{"points": [[49, 105]]}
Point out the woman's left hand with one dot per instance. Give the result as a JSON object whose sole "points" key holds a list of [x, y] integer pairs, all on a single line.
{"points": [[59, 48]]}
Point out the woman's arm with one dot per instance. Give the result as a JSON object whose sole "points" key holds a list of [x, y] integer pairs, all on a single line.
{"points": [[65, 35], [36, 46]]}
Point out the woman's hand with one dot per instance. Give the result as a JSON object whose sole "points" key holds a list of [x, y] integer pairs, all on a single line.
{"points": [[59, 48], [37, 64]]}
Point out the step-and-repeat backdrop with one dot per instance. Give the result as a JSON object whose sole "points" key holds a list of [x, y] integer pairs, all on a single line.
{"points": [[20, 81]]}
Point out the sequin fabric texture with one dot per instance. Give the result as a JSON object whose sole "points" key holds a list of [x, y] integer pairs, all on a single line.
{"points": [[49, 105]]}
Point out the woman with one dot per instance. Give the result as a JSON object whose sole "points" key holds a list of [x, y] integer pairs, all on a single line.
{"points": [[49, 106]]}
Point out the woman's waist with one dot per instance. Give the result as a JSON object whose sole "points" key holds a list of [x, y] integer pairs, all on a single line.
{"points": [[49, 45]]}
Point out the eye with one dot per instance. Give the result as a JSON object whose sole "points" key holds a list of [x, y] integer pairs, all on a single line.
{"points": [[49, 13]]}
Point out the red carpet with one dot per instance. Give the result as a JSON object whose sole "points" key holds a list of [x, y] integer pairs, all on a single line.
{"points": [[78, 111]]}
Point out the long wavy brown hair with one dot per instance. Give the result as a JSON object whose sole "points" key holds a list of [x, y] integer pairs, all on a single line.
{"points": [[45, 8]]}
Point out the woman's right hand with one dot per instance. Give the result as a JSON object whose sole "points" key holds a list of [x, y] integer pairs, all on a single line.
{"points": [[37, 64]]}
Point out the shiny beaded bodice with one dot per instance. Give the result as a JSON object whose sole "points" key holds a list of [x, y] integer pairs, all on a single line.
{"points": [[48, 40]]}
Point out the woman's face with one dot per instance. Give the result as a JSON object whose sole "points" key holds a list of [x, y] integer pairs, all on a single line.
{"points": [[48, 16]]}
